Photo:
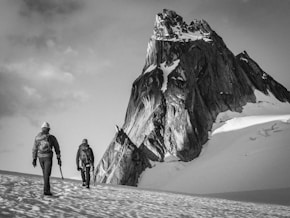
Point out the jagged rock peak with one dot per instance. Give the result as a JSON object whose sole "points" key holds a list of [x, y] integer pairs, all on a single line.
{"points": [[189, 78], [170, 26]]}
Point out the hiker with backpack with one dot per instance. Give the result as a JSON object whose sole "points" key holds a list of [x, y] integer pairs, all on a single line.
{"points": [[86, 156], [42, 149]]}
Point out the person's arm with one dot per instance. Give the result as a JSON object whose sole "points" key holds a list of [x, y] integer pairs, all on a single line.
{"points": [[77, 159], [93, 157], [56, 148], [55, 145], [34, 149], [34, 152]]}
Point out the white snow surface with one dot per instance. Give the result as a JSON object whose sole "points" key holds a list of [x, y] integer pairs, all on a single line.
{"points": [[166, 71], [21, 196], [150, 68], [244, 59], [182, 36], [186, 37], [177, 33], [246, 151]]}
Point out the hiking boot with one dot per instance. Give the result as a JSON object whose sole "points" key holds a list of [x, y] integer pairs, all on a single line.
{"points": [[88, 187], [84, 184], [47, 193]]}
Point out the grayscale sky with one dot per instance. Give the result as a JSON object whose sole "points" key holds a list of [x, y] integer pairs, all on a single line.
{"points": [[72, 63]]}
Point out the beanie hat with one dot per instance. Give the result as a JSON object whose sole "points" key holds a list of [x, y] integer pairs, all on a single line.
{"points": [[85, 141], [45, 125]]}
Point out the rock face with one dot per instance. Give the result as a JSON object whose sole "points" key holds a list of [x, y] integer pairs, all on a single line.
{"points": [[189, 77]]}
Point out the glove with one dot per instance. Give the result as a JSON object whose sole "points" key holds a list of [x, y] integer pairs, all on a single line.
{"points": [[79, 168], [59, 161], [34, 163]]}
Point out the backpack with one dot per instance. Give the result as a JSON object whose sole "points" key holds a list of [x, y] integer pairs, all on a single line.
{"points": [[44, 145], [85, 154]]}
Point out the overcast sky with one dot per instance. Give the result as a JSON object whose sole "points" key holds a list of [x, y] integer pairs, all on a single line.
{"points": [[72, 63]]}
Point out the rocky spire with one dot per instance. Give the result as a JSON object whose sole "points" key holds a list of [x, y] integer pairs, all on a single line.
{"points": [[169, 26], [189, 77]]}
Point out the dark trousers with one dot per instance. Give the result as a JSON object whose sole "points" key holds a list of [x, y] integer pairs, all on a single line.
{"points": [[46, 164], [86, 177]]}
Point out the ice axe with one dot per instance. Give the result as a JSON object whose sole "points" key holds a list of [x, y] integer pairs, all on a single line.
{"points": [[61, 172]]}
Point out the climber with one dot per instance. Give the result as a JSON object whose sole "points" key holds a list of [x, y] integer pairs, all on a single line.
{"points": [[42, 148], [86, 156]]}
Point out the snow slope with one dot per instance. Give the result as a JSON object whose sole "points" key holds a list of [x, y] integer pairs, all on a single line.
{"points": [[246, 151], [21, 196]]}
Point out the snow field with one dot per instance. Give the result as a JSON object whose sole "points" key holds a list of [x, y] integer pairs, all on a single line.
{"points": [[246, 151], [21, 196]]}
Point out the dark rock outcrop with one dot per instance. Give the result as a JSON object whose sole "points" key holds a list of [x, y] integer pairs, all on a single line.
{"points": [[261, 80], [189, 77], [122, 163]]}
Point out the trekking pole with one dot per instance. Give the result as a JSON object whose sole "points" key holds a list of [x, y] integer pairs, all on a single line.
{"points": [[94, 176], [61, 172]]}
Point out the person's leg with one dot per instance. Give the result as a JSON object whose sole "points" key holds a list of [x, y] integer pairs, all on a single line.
{"points": [[46, 176], [41, 163], [83, 171], [88, 176]]}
